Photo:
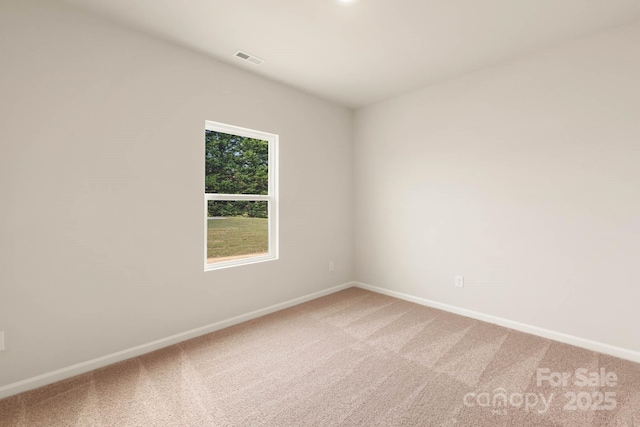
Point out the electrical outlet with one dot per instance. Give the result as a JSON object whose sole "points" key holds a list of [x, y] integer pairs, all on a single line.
{"points": [[459, 281], [331, 266], [1, 340]]}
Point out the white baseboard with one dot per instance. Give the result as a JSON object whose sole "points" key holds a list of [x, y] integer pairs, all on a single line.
{"points": [[90, 365], [81, 368], [611, 350]]}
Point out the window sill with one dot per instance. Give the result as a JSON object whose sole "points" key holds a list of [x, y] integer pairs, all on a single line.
{"points": [[239, 261]]}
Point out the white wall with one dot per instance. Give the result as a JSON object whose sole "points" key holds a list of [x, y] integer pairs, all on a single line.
{"points": [[524, 178], [101, 171]]}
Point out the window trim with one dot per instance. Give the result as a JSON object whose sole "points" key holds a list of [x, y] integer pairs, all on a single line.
{"points": [[271, 198]]}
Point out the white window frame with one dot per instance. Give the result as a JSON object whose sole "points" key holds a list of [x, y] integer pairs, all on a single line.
{"points": [[271, 198]]}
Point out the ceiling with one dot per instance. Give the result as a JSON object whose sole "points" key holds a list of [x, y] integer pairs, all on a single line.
{"points": [[359, 52]]}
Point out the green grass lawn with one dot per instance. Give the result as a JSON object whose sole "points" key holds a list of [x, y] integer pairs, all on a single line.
{"points": [[237, 236]]}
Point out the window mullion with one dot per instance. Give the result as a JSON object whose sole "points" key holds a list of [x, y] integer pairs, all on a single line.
{"points": [[249, 197]]}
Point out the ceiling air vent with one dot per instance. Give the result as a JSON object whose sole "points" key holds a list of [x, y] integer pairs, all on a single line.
{"points": [[249, 58]]}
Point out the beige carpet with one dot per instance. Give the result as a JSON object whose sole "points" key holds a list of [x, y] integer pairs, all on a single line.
{"points": [[354, 358]]}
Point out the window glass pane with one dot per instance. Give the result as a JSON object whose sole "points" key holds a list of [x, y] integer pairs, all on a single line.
{"points": [[236, 164], [236, 230]]}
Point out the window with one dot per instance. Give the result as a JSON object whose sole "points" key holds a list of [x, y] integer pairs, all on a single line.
{"points": [[240, 196]]}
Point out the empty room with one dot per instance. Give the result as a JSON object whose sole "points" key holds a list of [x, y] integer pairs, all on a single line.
{"points": [[319, 213]]}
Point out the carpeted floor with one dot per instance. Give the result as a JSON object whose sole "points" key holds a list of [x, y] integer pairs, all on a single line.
{"points": [[354, 358]]}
